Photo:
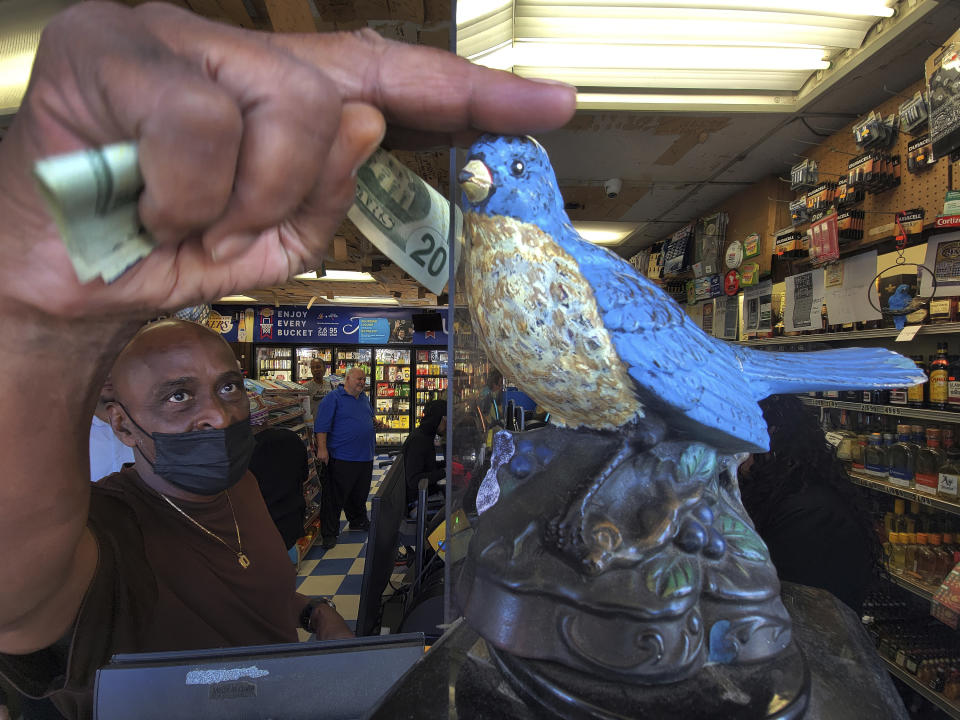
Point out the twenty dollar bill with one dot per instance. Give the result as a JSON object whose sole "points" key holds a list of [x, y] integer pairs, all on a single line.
{"points": [[406, 219], [93, 194]]}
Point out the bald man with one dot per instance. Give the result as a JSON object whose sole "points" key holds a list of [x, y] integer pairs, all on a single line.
{"points": [[179, 549], [107, 453]]}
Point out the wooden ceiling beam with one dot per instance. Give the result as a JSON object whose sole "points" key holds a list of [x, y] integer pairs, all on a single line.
{"points": [[290, 15]]}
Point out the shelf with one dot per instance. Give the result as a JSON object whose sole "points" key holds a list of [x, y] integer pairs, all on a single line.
{"points": [[948, 416], [918, 588], [310, 520], [905, 493], [277, 420], [951, 709], [853, 335]]}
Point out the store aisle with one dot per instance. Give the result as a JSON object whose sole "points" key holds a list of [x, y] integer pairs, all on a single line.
{"points": [[338, 572]]}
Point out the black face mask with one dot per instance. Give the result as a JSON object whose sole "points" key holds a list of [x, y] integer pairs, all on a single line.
{"points": [[204, 462]]}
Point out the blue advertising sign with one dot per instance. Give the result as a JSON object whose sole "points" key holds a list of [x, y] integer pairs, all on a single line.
{"points": [[296, 325]]}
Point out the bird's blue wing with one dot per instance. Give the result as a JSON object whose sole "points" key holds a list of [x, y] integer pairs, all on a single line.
{"points": [[676, 366]]}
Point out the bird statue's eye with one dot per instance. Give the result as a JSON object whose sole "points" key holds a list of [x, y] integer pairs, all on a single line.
{"points": [[516, 168]]}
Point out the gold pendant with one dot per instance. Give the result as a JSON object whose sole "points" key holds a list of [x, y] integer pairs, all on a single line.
{"points": [[243, 560]]}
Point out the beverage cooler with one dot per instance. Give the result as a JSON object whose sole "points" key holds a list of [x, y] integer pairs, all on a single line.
{"points": [[275, 363], [431, 379], [400, 381], [306, 355], [392, 396]]}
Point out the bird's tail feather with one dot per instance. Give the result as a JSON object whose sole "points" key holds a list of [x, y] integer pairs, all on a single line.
{"points": [[770, 373]]}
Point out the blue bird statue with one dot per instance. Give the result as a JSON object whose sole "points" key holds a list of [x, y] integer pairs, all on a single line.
{"points": [[596, 343], [900, 301]]}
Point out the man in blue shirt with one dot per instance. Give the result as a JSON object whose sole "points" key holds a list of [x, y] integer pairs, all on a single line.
{"points": [[344, 434]]}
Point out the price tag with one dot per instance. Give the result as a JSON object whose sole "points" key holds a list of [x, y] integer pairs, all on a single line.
{"points": [[908, 333], [834, 438]]}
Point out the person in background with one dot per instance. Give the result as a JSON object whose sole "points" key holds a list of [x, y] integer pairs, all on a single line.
{"points": [[345, 441], [107, 453], [279, 463], [804, 507], [317, 388], [420, 450], [491, 399]]}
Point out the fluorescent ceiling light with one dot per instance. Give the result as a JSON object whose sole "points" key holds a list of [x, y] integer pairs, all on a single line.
{"points": [[605, 233], [474, 9], [838, 8], [361, 300], [588, 55], [338, 276], [661, 102], [711, 80], [21, 22], [238, 298], [700, 27]]}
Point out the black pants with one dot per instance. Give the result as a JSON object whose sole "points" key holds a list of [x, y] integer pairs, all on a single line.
{"points": [[345, 488]]}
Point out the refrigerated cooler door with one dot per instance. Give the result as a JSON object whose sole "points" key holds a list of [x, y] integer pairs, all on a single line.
{"points": [[305, 355], [348, 357], [392, 396], [431, 379], [275, 363]]}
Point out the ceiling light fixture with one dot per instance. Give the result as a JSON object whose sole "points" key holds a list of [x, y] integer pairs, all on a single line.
{"points": [[237, 298], [605, 233], [363, 300], [21, 22], [661, 102], [338, 276]]}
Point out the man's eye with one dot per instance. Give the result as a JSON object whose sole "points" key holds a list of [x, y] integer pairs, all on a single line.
{"points": [[180, 396], [229, 388]]}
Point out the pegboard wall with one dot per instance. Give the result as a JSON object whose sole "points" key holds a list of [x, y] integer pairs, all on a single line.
{"points": [[925, 189]]}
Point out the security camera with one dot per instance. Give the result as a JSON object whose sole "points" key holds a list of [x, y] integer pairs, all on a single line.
{"points": [[613, 187]]}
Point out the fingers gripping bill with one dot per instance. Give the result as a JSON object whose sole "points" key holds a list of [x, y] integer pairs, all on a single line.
{"points": [[93, 194]]}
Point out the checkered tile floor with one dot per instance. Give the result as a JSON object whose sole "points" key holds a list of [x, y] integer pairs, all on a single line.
{"points": [[338, 572]]}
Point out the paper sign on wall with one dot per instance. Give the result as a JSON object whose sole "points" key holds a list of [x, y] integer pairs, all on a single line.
{"points": [[804, 301], [848, 302]]}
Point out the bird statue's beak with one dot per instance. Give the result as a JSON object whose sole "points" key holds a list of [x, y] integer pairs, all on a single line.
{"points": [[475, 181]]}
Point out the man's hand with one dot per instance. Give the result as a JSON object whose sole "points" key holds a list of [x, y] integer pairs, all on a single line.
{"points": [[329, 624], [248, 144]]}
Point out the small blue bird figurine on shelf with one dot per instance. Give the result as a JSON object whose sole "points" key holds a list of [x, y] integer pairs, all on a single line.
{"points": [[599, 345], [900, 301]]}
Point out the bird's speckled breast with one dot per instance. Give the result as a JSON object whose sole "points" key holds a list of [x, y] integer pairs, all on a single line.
{"points": [[540, 324]]}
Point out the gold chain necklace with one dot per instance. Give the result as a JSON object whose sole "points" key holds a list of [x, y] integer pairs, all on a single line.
{"points": [[241, 556]]}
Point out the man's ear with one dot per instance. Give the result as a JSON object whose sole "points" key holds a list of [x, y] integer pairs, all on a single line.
{"points": [[121, 424]]}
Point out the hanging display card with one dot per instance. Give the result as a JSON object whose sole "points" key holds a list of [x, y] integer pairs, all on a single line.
{"points": [[943, 257], [848, 302], [804, 301], [706, 318], [726, 317]]}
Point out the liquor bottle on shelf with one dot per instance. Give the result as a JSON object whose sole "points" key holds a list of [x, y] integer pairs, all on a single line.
{"points": [[916, 394], [926, 559], [899, 515], [875, 457], [949, 475], [944, 559], [897, 554], [901, 459], [929, 461], [857, 449], [911, 549], [953, 383], [939, 378], [877, 396], [943, 309]]}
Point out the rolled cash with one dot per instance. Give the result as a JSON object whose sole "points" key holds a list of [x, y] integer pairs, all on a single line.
{"points": [[93, 194]]}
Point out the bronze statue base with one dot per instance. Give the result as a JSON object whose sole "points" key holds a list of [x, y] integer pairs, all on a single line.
{"points": [[777, 689]]}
